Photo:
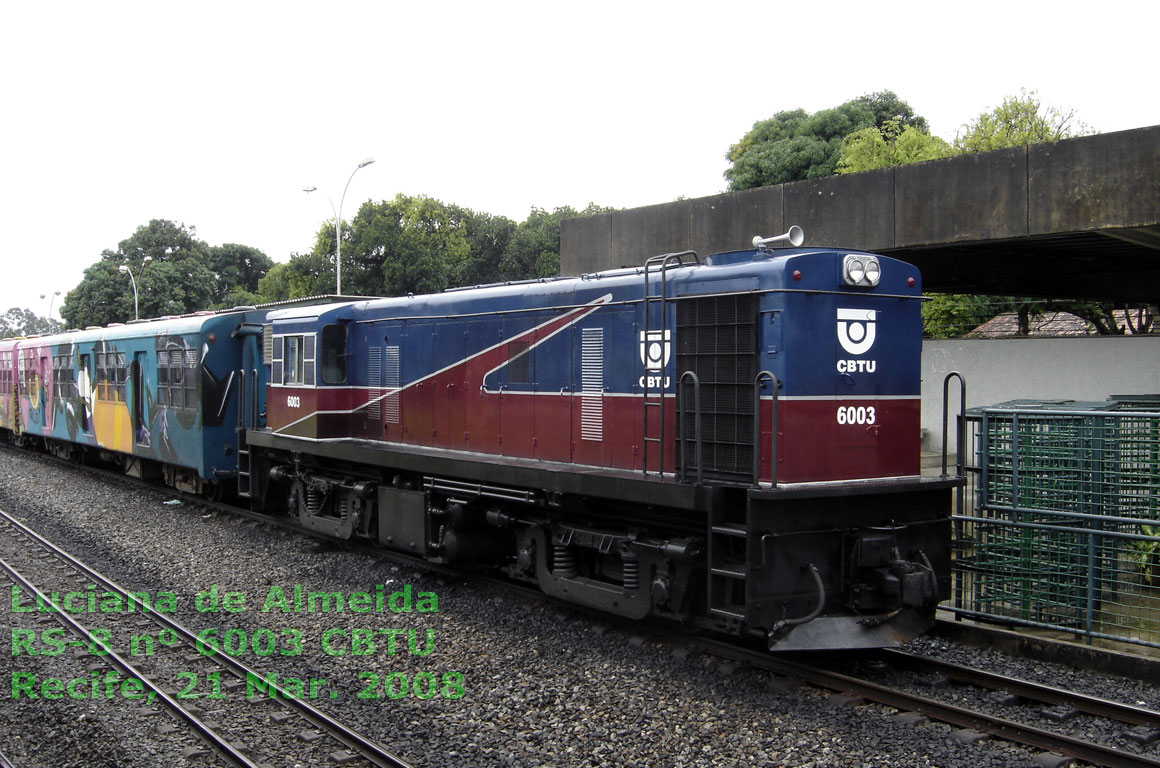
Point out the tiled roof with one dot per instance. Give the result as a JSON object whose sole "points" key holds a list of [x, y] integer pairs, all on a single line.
{"points": [[1043, 325]]}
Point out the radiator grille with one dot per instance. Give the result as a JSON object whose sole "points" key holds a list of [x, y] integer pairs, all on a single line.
{"points": [[391, 384], [717, 340], [592, 384]]}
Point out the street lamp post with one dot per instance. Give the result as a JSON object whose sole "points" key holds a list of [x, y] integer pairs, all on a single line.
{"points": [[136, 312], [338, 224], [129, 272], [50, 301]]}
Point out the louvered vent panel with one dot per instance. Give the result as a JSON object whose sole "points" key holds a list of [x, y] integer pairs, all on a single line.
{"points": [[592, 384]]}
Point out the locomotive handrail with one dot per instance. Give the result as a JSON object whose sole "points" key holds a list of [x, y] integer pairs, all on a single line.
{"points": [[774, 385], [960, 466], [242, 398], [696, 425], [254, 415], [959, 436], [679, 255]]}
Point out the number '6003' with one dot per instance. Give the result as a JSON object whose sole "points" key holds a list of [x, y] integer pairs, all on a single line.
{"points": [[856, 415]]}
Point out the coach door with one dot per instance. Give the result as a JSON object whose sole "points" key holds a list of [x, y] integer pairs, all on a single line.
{"points": [[553, 401], [137, 400], [85, 393], [448, 428], [46, 385], [514, 382]]}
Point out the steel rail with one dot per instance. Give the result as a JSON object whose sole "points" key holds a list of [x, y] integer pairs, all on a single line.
{"points": [[211, 737], [1048, 694], [364, 745], [1027, 735], [1020, 733]]}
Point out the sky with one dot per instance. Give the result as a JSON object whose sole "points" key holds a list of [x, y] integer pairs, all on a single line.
{"points": [[217, 115]]}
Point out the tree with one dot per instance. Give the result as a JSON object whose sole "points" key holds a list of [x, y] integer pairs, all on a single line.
{"points": [[236, 270], [949, 315], [886, 107], [275, 284], [534, 250], [893, 144], [1107, 318], [421, 245], [406, 245], [24, 322], [488, 239], [793, 145], [1019, 120], [175, 274]]}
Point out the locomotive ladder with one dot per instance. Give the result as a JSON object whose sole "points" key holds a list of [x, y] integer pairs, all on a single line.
{"points": [[653, 390], [727, 548]]}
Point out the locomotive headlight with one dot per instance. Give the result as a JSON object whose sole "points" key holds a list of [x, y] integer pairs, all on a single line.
{"points": [[855, 270], [861, 270]]}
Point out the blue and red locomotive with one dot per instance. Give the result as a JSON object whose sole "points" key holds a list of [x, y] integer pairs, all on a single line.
{"points": [[730, 442]]}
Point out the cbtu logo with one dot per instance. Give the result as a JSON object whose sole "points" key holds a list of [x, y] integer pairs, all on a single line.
{"points": [[856, 330], [655, 350]]}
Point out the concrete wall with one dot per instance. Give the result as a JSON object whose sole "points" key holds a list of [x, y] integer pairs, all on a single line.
{"points": [[996, 370], [1107, 182], [978, 223]]}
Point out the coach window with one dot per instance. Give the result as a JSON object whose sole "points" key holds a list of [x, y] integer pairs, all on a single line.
{"points": [[292, 360], [176, 375], [308, 355], [32, 379], [334, 354], [63, 377]]}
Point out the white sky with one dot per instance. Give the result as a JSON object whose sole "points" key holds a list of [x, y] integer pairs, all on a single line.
{"points": [[218, 114]]}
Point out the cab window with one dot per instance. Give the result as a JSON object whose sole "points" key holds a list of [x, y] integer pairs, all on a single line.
{"points": [[334, 354]]}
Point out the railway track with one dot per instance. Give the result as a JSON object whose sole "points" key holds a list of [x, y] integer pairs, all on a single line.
{"points": [[1141, 726], [144, 654]]}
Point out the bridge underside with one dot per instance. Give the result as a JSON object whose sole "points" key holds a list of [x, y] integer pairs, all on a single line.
{"points": [[1119, 266], [1075, 219]]}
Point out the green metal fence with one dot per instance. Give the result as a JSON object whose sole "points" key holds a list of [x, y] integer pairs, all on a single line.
{"points": [[1061, 525]]}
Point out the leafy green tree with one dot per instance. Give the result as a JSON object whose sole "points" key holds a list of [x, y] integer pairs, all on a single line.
{"points": [[274, 285], [421, 245], [1019, 120], [406, 245], [950, 315], [488, 239], [175, 274], [534, 250], [893, 144], [236, 270], [24, 322], [102, 296], [887, 107], [793, 145]]}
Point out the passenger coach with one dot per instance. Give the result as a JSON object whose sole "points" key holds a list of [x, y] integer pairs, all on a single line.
{"points": [[161, 398]]}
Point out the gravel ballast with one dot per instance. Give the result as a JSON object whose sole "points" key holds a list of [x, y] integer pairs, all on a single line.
{"points": [[516, 682]]}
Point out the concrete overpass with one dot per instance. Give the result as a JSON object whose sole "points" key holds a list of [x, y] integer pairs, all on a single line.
{"points": [[1076, 219]]}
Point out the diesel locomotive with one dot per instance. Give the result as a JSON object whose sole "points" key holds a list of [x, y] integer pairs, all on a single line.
{"points": [[731, 442]]}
